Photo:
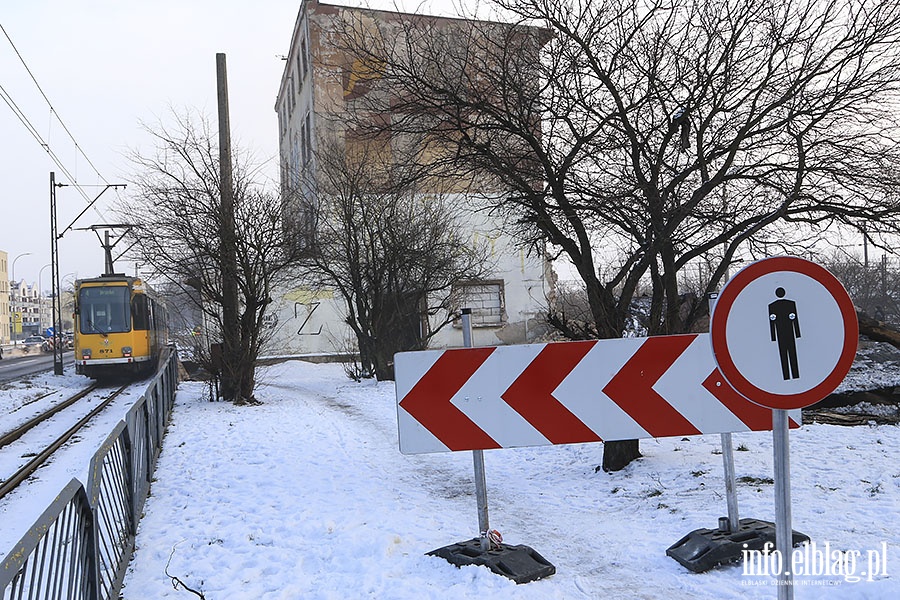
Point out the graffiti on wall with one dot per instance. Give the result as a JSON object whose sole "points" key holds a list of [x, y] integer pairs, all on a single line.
{"points": [[310, 309]]}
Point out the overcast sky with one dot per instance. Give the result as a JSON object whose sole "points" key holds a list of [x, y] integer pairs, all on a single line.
{"points": [[106, 66]]}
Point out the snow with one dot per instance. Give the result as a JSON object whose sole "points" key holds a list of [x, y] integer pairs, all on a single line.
{"points": [[25, 398], [876, 366], [308, 496]]}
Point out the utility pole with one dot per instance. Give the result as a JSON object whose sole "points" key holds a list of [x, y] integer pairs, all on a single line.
{"points": [[231, 384], [54, 275], [54, 261]]}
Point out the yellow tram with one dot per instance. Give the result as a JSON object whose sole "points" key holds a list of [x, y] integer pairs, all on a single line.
{"points": [[120, 327]]}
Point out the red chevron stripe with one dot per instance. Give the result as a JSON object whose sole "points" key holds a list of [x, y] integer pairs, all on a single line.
{"points": [[754, 416], [428, 402], [632, 387], [531, 394]]}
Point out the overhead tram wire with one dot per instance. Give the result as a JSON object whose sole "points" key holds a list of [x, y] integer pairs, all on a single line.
{"points": [[50, 104], [40, 140], [20, 114], [33, 131]]}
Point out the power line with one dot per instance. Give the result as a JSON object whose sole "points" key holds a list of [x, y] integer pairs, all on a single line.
{"points": [[20, 114], [53, 111], [34, 132]]}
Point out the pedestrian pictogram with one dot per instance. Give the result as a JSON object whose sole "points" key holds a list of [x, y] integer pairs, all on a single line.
{"points": [[810, 341], [784, 325]]}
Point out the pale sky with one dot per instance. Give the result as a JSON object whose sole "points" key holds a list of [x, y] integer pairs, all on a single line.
{"points": [[106, 66]]}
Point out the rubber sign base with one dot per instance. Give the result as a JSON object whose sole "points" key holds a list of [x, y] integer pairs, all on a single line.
{"points": [[519, 563], [703, 549]]}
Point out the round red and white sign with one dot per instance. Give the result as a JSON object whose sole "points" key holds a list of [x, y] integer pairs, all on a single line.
{"points": [[784, 332]]}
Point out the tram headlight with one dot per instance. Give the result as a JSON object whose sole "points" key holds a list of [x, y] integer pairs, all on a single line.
{"points": [[126, 351], [85, 353]]}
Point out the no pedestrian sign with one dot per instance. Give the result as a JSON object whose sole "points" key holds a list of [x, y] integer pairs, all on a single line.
{"points": [[784, 332]]}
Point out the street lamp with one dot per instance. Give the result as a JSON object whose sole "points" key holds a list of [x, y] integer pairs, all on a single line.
{"points": [[15, 334], [41, 298]]}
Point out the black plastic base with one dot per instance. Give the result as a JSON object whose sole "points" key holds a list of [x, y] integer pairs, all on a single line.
{"points": [[520, 563], [703, 549]]}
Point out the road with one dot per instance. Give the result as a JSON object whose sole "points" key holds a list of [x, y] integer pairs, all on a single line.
{"points": [[16, 367]]}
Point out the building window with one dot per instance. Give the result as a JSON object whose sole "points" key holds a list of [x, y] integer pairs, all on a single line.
{"points": [[303, 58], [485, 298], [304, 149], [307, 139], [300, 71]]}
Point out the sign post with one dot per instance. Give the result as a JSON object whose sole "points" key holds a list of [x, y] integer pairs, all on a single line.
{"points": [[477, 455], [734, 519], [520, 563], [784, 335], [783, 528]]}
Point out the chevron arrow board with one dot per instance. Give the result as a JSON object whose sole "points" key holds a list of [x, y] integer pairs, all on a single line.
{"points": [[566, 393]]}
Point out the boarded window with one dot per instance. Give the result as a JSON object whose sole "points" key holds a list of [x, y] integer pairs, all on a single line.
{"points": [[485, 298]]}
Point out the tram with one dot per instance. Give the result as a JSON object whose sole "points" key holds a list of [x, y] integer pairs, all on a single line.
{"points": [[120, 327]]}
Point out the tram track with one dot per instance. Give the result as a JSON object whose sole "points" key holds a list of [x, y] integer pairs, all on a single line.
{"points": [[22, 429], [39, 458]]}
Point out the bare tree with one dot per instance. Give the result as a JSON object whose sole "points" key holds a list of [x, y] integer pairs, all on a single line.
{"points": [[392, 251], [176, 212], [873, 287], [640, 138]]}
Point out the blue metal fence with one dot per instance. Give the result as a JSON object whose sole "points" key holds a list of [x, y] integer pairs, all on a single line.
{"points": [[80, 546]]}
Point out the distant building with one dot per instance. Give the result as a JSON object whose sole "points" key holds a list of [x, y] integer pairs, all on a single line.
{"points": [[318, 86], [26, 303], [5, 313]]}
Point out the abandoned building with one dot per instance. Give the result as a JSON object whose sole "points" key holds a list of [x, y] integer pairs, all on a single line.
{"points": [[318, 86]]}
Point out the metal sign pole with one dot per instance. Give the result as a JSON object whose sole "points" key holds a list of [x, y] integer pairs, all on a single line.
{"points": [[477, 455], [783, 532], [734, 520], [481, 498]]}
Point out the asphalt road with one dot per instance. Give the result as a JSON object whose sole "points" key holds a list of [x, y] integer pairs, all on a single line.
{"points": [[20, 366]]}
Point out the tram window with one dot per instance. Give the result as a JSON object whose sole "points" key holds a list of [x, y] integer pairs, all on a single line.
{"points": [[104, 309], [140, 311]]}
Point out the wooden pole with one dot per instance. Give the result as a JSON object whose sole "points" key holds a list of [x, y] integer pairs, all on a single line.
{"points": [[231, 387]]}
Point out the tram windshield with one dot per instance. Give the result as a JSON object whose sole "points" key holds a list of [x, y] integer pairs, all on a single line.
{"points": [[104, 309]]}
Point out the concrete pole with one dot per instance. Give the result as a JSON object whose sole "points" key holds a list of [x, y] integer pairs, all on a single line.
{"points": [[228, 252]]}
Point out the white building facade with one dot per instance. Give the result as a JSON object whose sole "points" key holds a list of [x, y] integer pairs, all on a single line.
{"points": [[25, 307], [508, 305]]}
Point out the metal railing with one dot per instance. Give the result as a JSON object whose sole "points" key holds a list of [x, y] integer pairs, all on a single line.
{"points": [[80, 546]]}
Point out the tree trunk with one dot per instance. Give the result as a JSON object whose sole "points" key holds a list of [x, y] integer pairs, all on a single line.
{"points": [[877, 330], [617, 455]]}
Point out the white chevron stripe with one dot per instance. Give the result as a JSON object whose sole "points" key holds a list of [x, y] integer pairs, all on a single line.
{"points": [[410, 367], [682, 387], [480, 397], [414, 438], [581, 391]]}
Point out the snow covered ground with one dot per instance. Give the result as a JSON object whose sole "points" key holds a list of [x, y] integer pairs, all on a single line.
{"points": [[308, 496], [23, 399]]}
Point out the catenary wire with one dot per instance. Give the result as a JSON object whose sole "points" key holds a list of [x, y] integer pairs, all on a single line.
{"points": [[34, 132]]}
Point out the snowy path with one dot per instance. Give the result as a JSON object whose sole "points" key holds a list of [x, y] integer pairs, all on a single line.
{"points": [[308, 496]]}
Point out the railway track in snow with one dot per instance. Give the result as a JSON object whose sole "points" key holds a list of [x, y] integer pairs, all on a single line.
{"points": [[36, 444]]}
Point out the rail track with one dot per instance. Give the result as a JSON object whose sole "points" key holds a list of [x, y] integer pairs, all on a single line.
{"points": [[40, 457]]}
